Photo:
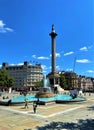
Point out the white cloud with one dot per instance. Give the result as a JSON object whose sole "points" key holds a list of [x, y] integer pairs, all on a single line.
{"points": [[20, 64], [16, 64], [44, 71], [84, 48], [69, 69], [4, 29], [68, 53], [40, 57], [50, 55], [43, 58], [50, 67], [1, 24], [83, 61], [12, 64], [9, 29], [58, 55], [34, 56], [58, 67], [44, 67], [90, 71]]}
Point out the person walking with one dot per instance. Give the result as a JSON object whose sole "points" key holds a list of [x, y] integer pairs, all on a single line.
{"points": [[38, 102], [26, 103], [34, 107]]}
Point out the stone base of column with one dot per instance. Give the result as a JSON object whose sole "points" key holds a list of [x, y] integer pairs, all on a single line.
{"points": [[54, 78]]}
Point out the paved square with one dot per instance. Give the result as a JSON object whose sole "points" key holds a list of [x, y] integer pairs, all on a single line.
{"points": [[53, 116]]}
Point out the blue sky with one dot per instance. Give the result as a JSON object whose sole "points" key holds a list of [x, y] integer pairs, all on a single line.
{"points": [[24, 33]]}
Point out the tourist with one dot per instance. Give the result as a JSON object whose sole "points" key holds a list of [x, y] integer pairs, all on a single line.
{"points": [[7, 97], [4, 97], [26, 103], [34, 106], [9, 102], [38, 102]]}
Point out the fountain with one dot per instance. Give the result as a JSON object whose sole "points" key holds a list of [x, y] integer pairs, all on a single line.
{"points": [[45, 95], [45, 91]]}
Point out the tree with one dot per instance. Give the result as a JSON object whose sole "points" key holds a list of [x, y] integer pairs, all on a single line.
{"points": [[10, 82], [63, 81], [38, 84], [5, 80]]}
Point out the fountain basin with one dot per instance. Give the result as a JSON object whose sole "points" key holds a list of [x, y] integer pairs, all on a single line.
{"points": [[68, 99], [44, 92], [44, 95], [58, 98]]}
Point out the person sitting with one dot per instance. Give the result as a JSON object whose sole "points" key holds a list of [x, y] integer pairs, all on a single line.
{"points": [[7, 97], [73, 93], [8, 103], [4, 97]]}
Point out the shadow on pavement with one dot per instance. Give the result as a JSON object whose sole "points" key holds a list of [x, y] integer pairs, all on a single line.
{"points": [[87, 124]]}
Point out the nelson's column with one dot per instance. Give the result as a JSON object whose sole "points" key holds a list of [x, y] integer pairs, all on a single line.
{"points": [[53, 76]]}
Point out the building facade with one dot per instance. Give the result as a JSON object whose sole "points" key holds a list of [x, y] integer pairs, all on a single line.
{"points": [[71, 79], [24, 75], [85, 83], [78, 81]]}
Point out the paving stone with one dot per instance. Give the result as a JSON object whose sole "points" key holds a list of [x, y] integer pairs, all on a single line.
{"points": [[18, 118]]}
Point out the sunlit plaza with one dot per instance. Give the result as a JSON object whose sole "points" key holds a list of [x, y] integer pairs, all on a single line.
{"points": [[46, 65], [50, 116], [49, 108]]}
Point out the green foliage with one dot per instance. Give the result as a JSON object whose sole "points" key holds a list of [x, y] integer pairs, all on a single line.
{"points": [[10, 82], [63, 83], [38, 84], [5, 80]]}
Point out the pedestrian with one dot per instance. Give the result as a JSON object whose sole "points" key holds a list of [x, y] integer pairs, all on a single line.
{"points": [[34, 107], [26, 103], [38, 102]]}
